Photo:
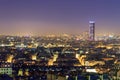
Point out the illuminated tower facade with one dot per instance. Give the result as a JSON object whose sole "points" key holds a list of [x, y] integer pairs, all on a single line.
{"points": [[91, 30]]}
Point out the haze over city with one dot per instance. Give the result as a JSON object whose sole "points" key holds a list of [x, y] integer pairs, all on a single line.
{"points": [[36, 17], [59, 40]]}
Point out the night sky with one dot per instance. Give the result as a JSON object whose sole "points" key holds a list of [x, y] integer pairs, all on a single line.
{"points": [[34, 17]]}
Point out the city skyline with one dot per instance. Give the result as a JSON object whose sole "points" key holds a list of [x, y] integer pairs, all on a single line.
{"points": [[28, 17]]}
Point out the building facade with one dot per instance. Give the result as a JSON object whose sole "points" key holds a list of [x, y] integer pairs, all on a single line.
{"points": [[91, 30]]}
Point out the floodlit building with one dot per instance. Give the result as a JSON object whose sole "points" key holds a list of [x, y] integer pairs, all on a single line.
{"points": [[6, 69], [91, 30]]}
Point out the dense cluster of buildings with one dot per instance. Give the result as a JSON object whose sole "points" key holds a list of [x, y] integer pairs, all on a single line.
{"points": [[59, 57]]}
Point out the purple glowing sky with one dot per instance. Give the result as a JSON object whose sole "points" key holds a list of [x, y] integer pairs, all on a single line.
{"points": [[58, 16]]}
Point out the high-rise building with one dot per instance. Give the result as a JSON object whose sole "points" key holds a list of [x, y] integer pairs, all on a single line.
{"points": [[91, 30]]}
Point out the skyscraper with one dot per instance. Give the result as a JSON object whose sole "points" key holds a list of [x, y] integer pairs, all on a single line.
{"points": [[91, 30]]}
